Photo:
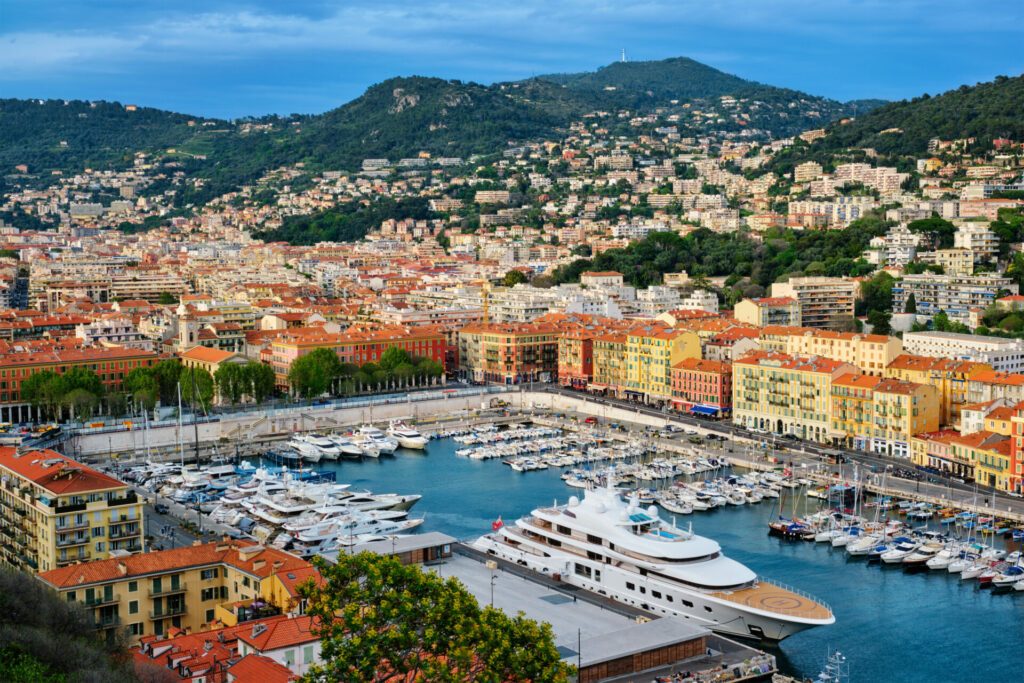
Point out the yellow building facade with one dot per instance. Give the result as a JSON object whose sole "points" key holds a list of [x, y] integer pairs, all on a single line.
{"points": [[196, 587], [55, 511], [650, 354], [782, 394], [951, 378]]}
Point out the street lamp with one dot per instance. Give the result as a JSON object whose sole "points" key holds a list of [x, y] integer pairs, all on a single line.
{"points": [[492, 566]]}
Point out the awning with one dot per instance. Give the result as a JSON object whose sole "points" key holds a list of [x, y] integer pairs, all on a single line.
{"points": [[704, 410]]}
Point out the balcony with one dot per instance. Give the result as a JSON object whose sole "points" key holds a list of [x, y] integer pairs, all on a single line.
{"points": [[108, 621], [168, 590], [68, 542], [122, 532], [73, 526], [130, 499], [99, 600], [175, 611]]}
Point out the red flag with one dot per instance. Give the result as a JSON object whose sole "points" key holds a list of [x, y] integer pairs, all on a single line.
{"points": [[497, 524]]}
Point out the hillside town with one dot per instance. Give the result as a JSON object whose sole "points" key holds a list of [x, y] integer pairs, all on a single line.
{"points": [[862, 304]]}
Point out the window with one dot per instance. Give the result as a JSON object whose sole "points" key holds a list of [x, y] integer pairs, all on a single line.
{"points": [[133, 607], [71, 596], [687, 603], [289, 657], [630, 586], [655, 594], [135, 629], [209, 616], [208, 574], [133, 586], [98, 531], [307, 654]]}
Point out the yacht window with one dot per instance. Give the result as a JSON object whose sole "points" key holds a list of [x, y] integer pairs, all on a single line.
{"points": [[642, 589], [655, 594], [563, 530], [594, 539], [706, 608], [687, 603], [555, 542], [669, 598], [630, 586]]}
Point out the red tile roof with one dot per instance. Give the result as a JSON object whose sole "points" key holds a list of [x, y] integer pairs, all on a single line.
{"points": [[56, 473], [243, 555], [260, 669], [281, 633]]}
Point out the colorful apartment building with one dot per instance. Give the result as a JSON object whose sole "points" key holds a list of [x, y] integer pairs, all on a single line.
{"points": [[610, 369], [110, 364], [702, 387], [195, 588], [824, 301], [1015, 476], [510, 353], [651, 352], [952, 379], [55, 511], [880, 415], [783, 394]]}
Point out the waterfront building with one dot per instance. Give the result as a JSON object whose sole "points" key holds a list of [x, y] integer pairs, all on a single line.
{"points": [[768, 311], [510, 353], [702, 387], [783, 394], [651, 351], [55, 511], [111, 364], [1015, 475], [880, 415], [952, 379], [193, 588], [358, 345], [824, 301], [1004, 355], [610, 369]]}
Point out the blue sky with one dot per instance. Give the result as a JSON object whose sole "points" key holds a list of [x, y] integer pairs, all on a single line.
{"points": [[236, 57]]}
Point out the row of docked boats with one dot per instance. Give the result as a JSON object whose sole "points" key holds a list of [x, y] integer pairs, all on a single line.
{"points": [[367, 441], [303, 512]]}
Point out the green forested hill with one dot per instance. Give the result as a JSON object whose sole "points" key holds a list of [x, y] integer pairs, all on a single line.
{"points": [[73, 134], [984, 111]]}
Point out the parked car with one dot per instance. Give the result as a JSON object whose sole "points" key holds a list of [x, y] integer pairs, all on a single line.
{"points": [[591, 420], [161, 508]]}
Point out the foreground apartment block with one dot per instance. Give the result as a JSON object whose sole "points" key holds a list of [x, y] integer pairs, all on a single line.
{"points": [[869, 352], [952, 379], [783, 394], [55, 511], [192, 588]]}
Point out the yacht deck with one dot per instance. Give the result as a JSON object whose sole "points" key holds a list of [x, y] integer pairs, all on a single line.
{"points": [[772, 598]]}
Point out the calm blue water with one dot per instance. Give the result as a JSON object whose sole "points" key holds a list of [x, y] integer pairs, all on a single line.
{"points": [[891, 626]]}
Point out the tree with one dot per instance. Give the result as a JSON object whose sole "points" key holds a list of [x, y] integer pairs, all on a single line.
{"points": [[167, 299], [880, 322], [876, 293], [85, 379], [196, 387], [260, 381], [80, 402], [167, 373], [911, 305], [513, 278], [42, 389], [379, 619], [393, 357], [143, 387], [313, 375], [232, 382]]}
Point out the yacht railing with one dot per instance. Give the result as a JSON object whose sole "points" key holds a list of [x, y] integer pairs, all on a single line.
{"points": [[792, 589]]}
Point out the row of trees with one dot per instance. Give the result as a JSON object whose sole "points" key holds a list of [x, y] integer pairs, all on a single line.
{"points": [[78, 391], [321, 371], [232, 382]]}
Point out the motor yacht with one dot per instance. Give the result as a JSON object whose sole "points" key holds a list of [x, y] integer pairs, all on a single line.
{"points": [[627, 553], [370, 435], [346, 447], [328, 449], [406, 436]]}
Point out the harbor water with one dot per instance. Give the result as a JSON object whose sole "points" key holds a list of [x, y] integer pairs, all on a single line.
{"points": [[892, 626]]}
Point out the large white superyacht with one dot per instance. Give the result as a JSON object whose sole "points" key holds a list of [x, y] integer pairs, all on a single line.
{"points": [[627, 553]]}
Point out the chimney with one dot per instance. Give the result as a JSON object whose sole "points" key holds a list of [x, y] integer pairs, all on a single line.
{"points": [[208, 645], [122, 568]]}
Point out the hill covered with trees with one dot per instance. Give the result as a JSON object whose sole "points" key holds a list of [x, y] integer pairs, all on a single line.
{"points": [[984, 111]]}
